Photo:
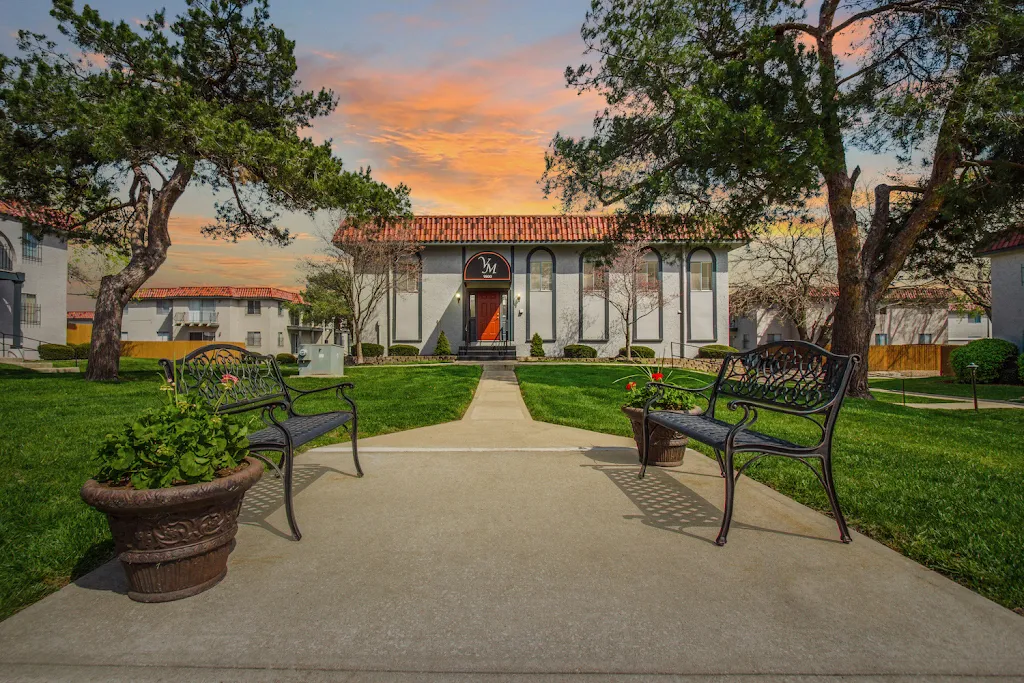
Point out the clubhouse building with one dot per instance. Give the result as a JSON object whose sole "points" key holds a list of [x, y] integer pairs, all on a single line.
{"points": [[491, 282]]}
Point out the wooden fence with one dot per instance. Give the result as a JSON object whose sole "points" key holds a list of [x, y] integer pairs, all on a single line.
{"points": [[165, 349], [79, 333], [911, 357]]}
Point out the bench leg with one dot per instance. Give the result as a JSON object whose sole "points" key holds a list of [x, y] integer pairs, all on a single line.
{"points": [[646, 449], [833, 499], [721, 465], [730, 492], [289, 509], [355, 444]]}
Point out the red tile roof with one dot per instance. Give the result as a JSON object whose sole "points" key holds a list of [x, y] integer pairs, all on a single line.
{"points": [[218, 292], [80, 315], [1014, 240], [49, 217], [507, 229]]}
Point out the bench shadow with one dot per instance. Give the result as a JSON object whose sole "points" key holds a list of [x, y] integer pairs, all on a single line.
{"points": [[267, 496], [666, 503]]}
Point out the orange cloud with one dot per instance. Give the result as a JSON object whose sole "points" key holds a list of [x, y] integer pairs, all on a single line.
{"points": [[467, 137]]}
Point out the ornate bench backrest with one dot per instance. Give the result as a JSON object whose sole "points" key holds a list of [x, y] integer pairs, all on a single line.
{"points": [[788, 374], [201, 372]]}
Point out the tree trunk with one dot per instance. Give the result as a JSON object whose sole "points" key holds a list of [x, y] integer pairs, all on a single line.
{"points": [[149, 243], [851, 334], [357, 343]]}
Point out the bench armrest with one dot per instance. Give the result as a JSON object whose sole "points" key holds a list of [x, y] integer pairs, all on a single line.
{"points": [[339, 390], [750, 409]]}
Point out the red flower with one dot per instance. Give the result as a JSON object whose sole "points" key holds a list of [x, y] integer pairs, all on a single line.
{"points": [[228, 378], [657, 376], [631, 386]]}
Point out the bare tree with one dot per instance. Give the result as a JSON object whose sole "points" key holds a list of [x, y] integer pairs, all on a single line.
{"points": [[970, 283], [632, 285], [791, 271], [357, 267]]}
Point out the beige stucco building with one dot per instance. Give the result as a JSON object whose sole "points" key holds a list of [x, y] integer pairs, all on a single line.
{"points": [[1007, 257]]}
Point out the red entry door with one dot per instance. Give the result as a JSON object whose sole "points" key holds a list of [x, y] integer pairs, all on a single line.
{"points": [[488, 315]]}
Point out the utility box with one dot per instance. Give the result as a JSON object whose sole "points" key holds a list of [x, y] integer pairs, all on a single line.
{"points": [[321, 360]]}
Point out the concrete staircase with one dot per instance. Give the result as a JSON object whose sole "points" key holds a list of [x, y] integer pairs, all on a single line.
{"points": [[487, 353], [43, 366]]}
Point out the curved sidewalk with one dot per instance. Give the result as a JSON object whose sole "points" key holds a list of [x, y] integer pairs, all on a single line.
{"points": [[501, 549]]}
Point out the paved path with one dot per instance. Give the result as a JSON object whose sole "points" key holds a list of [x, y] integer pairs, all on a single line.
{"points": [[955, 402], [462, 557]]}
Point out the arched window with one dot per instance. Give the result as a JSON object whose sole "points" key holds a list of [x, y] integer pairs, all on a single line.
{"points": [[648, 323], [6, 255], [701, 299], [541, 284], [593, 309], [407, 311]]}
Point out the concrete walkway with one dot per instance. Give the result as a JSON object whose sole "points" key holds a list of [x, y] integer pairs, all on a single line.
{"points": [[499, 549], [955, 402]]}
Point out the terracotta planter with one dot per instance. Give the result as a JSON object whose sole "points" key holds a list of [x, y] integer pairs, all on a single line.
{"points": [[174, 543], [667, 447]]}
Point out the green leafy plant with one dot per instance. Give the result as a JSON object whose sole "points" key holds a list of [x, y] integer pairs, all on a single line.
{"points": [[183, 442], [442, 348], [369, 350], [536, 346], [715, 351], [638, 352], [1020, 368], [286, 359], [639, 391], [580, 351], [402, 350], [56, 352], [996, 360], [81, 350]]}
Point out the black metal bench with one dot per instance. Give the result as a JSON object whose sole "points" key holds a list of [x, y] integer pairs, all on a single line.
{"points": [[260, 386], [789, 377]]}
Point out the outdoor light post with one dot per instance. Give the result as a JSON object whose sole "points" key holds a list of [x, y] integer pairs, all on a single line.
{"points": [[973, 367]]}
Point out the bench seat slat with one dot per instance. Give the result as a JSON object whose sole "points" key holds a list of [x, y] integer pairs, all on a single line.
{"points": [[713, 431], [302, 428]]}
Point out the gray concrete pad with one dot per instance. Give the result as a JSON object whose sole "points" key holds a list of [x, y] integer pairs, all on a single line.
{"points": [[456, 561]]}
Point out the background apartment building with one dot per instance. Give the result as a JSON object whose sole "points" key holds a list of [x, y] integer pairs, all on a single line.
{"points": [[255, 316], [33, 287]]}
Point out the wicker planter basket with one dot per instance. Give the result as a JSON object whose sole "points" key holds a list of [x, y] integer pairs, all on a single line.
{"points": [[667, 447], [174, 542]]}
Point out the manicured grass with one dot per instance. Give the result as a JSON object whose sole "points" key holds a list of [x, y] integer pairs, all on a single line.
{"points": [[53, 424], [948, 386], [942, 487], [886, 397]]}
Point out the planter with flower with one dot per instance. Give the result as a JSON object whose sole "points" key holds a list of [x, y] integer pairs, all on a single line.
{"points": [[171, 484], [667, 447]]}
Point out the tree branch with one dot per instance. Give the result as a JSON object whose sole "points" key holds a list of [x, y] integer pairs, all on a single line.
{"points": [[906, 6]]}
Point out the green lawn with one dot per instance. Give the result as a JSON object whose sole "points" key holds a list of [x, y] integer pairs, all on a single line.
{"points": [[949, 387], [886, 397], [53, 423], [942, 487]]}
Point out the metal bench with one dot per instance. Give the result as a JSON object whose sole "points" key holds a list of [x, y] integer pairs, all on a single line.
{"points": [[261, 387], [790, 377]]}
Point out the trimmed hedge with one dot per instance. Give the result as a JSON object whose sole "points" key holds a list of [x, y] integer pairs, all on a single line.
{"points": [[369, 350], [402, 350], [1020, 368], [996, 360], [537, 346], [715, 351], [56, 352], [580, 351], [286, 358], [81, 350], [443, 348], [638, 351]]}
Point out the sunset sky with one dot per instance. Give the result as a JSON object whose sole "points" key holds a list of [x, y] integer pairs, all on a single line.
{"points": [[456, 98]]}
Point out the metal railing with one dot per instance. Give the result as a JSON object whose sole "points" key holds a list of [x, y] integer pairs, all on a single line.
{"points": [[32, 314], [196, 318]]}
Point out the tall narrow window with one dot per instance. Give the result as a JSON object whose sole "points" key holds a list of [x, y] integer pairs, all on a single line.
{"points": [[6, 258], [595, 277], [253, 307], [540, 276], [30, 249], [280, 338], [253, 339], [700, 276], [31, 313], [407, 276], [649, 272]]}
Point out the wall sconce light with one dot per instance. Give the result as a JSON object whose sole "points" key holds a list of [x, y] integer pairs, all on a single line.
{"points": [[518, 296], [458, 296]]}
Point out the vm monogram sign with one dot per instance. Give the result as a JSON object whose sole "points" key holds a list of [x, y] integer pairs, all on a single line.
{"points": [[487, 266]]}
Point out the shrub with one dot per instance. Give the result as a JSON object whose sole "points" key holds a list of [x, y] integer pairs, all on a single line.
{"points": [[442, 348], [638, 351], [580, 351], [402, 350], [369, 350], [56, 352], [995, 359], [536, 346], [715, 351], [1020, 368], [286, 359], [81, 350]]}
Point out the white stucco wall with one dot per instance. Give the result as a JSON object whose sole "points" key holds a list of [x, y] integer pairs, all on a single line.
{"points": [[1008, 296], [46, 279], [443, 298]]}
